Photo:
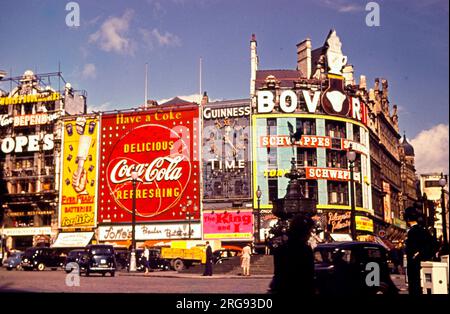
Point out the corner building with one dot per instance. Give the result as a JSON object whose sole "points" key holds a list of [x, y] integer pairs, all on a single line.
{"points": [[320, 101]]}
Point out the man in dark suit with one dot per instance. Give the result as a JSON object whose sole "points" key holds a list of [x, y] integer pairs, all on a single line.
{"points": [[209, 260], [418, 246]]}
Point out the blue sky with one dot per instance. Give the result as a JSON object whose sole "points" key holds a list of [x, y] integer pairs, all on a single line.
{"points": [[106, 54]]}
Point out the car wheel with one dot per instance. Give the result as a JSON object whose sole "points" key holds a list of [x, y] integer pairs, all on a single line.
{"points": [[103, 274], [178, 265], [54, 268], [41, 267], [8, 268], [113, 274], [87, 273]]}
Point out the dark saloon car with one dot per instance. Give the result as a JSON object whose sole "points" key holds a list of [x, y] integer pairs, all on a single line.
{"points": [[41, 258], [155, 261], [98, 259], [13, 261], [219, 256], [343, 268], [73, 258]]}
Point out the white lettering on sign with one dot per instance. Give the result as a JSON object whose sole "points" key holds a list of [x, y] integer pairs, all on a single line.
{"points": [[30, 143], [162, 168], [149, 232], [211, 113], [289, 102]]}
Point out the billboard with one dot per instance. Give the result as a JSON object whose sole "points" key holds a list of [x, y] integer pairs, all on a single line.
{"points": [[160, 145], [78, 199], [225, 151], [231, 225]]}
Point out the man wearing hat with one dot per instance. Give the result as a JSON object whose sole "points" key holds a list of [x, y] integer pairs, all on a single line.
{"points": [[418, 248]]}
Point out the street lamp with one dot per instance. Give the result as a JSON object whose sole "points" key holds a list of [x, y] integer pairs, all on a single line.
{"points": [[351, 157], [189, 215], [442, 183], [258, 226], [134, 176]]}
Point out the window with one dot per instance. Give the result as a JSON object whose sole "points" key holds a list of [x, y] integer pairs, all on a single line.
{"points": [[338, 193], [306, 157], [308, 126], [358, 192], [335, 129], [336, 159], [356, 133], [273, 189], [311, 189]]}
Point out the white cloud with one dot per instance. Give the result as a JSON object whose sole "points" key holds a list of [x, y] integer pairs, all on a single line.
{"points": [[154, 38], [112, 35], [95, 108], [341, 6], [89, 71], [431, 148]]}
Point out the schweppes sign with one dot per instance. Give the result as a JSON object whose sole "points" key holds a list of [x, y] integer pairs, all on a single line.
{"points": [[25, 99]]}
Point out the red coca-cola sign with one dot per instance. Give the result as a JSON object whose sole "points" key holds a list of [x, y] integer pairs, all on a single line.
{"points": [[160, 145]]}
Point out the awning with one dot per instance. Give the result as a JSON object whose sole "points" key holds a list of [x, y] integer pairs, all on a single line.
{"points": [[341, 237], [73, 239]]}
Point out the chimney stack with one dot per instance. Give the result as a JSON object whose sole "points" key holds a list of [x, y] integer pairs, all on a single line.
{"points": [[304, 57]]}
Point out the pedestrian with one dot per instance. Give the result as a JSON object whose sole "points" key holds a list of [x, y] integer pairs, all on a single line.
{"points": [[294, 260], [209, 260], [418, 247], [245, 260], [146, 257]]}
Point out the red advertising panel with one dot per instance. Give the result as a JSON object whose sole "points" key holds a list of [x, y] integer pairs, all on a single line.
{"points": [[228, 225], [161, 146]]}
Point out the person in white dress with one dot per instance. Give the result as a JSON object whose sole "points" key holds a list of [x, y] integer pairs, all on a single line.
{"points": [[245, 260]]}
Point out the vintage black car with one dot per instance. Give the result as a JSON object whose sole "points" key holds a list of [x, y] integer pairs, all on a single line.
{"points": [[155, 260], [98, 259], [219, 256], [73, 259], [41, 258], [343, 268]]}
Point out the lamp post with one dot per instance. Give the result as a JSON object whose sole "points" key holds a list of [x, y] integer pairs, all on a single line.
{"points": [[351, 157], [442, 183], [189, 215], [134, 176], [258, 222]]}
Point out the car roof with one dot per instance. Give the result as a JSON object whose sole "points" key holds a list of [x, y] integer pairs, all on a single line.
{"points": [[347, 245]]}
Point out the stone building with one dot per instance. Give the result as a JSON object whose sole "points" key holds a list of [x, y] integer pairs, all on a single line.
{"points": [[30, 137]]}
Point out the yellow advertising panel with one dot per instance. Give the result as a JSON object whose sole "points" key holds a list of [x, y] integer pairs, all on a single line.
{"points": [[78, 197], [364, 223]]}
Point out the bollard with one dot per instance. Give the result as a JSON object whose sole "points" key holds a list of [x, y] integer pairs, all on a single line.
{"points": [[433, 277]]}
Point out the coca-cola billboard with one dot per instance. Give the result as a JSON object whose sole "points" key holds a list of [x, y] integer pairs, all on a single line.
{"points": [[160, 146]]}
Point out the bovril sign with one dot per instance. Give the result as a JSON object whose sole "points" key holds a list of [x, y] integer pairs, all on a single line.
{"points": [[333, 102], [28, 143]]}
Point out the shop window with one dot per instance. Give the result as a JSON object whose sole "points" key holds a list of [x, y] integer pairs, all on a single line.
{"points": [[336, 159], [306, 157], [338, 193]]}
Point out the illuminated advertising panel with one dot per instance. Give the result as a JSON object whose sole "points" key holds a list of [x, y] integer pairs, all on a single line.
{"points": [[160, 145], [225, 152], [78, 199], [230, 224]]}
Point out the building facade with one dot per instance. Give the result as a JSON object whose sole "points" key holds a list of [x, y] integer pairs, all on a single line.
{"points": [[30, 135]]}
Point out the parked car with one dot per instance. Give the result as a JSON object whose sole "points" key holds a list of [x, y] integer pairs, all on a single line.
{"points": [[98, 259], [342, 268], [219, 256], [13, 261], [41, 258], [73, 257], [155, 260]]}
